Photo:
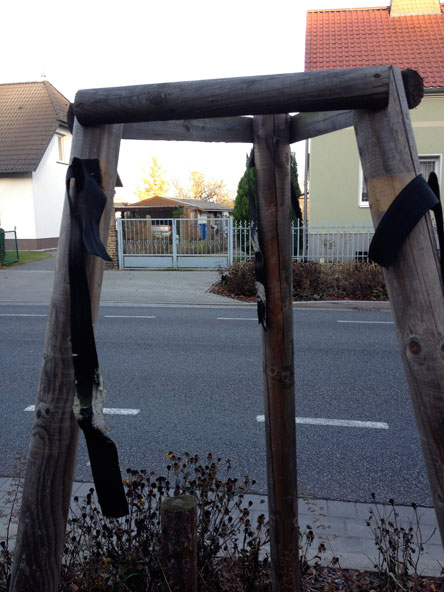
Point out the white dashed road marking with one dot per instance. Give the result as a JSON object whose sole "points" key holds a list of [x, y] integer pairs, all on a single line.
{"points": [[5, 314], [129, 317], [106, 410], [237, 319], [344, 423], [369, 322]]}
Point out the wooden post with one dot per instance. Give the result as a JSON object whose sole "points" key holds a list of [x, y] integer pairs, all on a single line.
{"points": [[272, 158], [179, 542], [323, 90], [53, 447], [389, 161]]}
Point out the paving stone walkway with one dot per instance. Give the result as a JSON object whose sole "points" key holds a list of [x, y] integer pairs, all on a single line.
{"points": [[341, 526]]}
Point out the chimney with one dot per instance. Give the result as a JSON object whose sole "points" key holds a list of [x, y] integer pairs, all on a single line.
{"points": [[414, 7]]}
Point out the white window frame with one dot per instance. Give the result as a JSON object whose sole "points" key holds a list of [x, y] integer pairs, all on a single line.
{"points": [[437, 158], [438, 170], [362, 203], [61, 148]]}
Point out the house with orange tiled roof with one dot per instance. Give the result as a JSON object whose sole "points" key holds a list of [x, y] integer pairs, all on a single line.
{"points": [[35, 144], [407, 34], [167, 207]]}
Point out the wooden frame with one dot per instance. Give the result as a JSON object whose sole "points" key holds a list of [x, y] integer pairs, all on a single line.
{"points": [[376, 101]]}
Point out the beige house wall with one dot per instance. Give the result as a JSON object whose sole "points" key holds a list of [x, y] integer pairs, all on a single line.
{"points": [[335, 167]]}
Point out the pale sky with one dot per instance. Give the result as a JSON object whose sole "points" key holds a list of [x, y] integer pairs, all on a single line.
{"points": [[101, 43]]}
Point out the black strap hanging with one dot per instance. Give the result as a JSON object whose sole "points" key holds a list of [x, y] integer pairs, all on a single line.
{"points": [[259, 263], [87, 202], [399, 220]]}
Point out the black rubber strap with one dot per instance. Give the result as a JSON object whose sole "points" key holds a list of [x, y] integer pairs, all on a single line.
{"points": [[86, 203], [399, 220], [259, 263], [437, 210]]}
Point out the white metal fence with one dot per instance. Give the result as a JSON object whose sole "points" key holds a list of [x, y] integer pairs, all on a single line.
{"points": [[313, 243], [217, 242], [175, 242]]}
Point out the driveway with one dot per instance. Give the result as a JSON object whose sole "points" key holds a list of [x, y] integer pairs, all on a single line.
{"points": [[32, 283]]}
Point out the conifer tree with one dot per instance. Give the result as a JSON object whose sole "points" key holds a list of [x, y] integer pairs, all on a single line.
{"points": [[153, 183], [241, 210]]}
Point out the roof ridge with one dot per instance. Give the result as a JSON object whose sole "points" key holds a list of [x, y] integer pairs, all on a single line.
{"points": [[52, 91], [349, 9], [32, 112], [354, 38]]}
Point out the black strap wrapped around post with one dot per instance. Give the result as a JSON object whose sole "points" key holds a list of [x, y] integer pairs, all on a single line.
{"points": [[437, 210], [404, 213], [87, 202]]}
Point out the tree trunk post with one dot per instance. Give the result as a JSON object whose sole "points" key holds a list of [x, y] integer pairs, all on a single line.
{"points": [[54, 437], [179, 542], [322, 90], [390, 161], [272, 160]]}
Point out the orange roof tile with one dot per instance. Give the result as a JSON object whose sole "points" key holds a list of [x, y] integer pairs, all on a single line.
{"points": [[359, 37], [156, 201]]}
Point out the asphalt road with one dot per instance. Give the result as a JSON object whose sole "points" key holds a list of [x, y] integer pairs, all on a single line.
{"points": [[194, 375]]}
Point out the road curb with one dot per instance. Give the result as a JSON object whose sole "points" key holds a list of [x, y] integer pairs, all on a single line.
{"points": [[343, 304]]}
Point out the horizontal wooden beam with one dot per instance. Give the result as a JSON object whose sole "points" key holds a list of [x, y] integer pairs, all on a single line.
{"points": [[235, 129], [310, 125], [323, 90], [221, 129]]}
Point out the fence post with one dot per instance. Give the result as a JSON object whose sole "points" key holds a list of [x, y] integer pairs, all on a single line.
{"points": [[120, 242], [305, 239], [230, 240], [174, 240], [179, 542]]}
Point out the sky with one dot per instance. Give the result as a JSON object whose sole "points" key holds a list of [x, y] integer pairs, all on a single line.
{"points": [[103, 43]]}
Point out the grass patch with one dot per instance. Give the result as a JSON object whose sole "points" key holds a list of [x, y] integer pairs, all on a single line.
{"points": [[29, 257]]}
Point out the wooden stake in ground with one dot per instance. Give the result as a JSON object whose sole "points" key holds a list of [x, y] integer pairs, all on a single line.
{"points": [[54, 437], [389, 162], [179, 542], [272, 159]]}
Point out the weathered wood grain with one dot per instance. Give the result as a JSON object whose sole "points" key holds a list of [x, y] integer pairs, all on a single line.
{"points": [[324, 90], [310, 125], [222, 129], [179, 542], [272, 158], [389, 161], [54, 436]]}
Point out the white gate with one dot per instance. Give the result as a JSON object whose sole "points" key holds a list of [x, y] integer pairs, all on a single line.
{"points": [[175, 243]]}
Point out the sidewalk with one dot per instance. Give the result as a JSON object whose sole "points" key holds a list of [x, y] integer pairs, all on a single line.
{"points": [[32, 283], [340, 525]]}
